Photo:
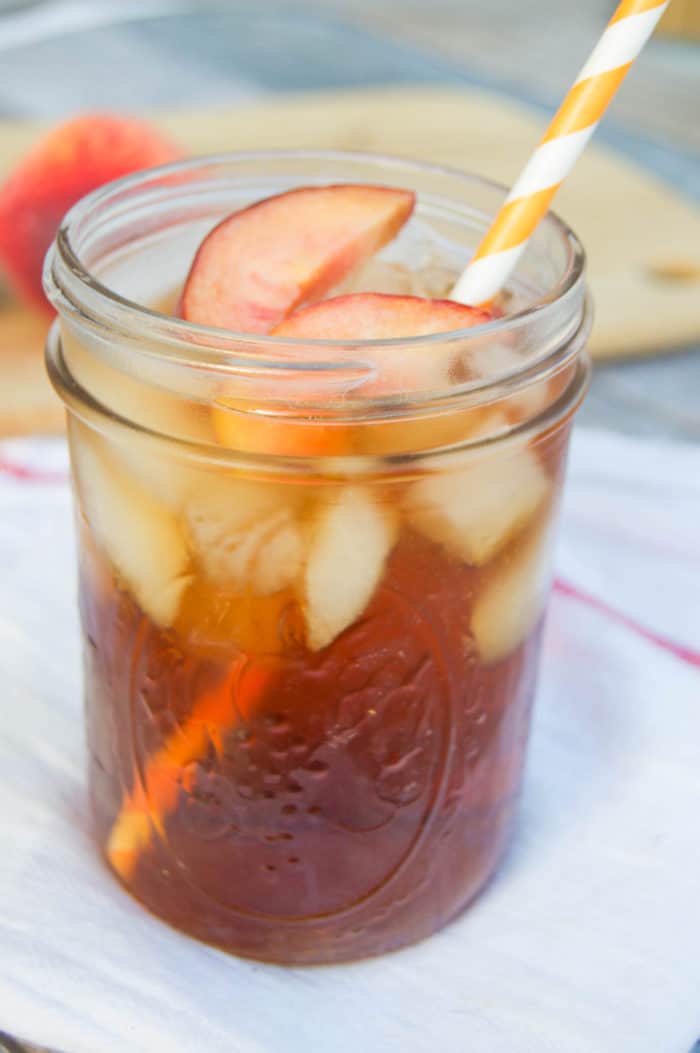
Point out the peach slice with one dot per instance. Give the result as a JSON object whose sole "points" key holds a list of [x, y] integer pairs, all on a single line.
{"points": [[350, 542], [72, 159], [476, 511], [238, 429], [141, 538], [379, 316], [357, 316], [260, 263], [382, 316]]}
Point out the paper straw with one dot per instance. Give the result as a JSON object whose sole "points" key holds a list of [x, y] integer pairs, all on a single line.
{"points": [[563, 142]]}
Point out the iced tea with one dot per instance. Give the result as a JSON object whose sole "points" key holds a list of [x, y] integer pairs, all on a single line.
{"points": [[312, 576]]}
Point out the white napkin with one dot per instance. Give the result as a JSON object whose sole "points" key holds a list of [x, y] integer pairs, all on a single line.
{"points": [[587, 942]]}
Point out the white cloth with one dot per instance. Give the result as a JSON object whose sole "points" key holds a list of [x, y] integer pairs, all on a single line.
{"points": [[587, 942]]}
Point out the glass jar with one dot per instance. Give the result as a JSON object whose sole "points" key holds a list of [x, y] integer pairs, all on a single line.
{"points": [[313, 575]]}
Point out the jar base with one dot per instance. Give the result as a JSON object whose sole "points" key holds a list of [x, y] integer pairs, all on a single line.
{"points": [[326, 941]]}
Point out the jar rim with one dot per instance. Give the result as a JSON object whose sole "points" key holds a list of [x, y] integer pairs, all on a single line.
{"points": [[194, 362], [72, 286], [80, 402]]}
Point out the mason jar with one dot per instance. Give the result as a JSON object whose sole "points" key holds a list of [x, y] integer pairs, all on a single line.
{"points": [[313, 574]]}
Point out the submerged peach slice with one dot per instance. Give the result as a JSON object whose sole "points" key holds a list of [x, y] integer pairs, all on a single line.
{"points": [[257, 265], [311, 436]]}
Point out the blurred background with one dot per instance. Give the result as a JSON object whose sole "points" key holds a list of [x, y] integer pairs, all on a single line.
{"points": [[161, 52], [465, 82]]}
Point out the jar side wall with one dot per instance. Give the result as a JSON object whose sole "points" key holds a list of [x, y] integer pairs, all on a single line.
{"points": [[362, 660]]}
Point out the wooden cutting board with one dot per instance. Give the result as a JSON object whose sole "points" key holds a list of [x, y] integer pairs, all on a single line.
{"points": [[642, 237]]}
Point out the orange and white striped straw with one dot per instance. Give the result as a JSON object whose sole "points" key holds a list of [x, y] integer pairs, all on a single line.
{"points": [[577, 118]]}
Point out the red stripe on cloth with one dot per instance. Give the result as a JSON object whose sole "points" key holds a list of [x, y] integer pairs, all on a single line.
{"points": [[681, 651], [24, 473]]}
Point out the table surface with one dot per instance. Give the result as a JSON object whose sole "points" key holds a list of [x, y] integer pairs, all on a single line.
{"points": [[58, 57]]}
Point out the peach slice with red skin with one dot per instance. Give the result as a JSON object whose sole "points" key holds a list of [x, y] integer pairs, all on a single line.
{"points": [[71, 160], [379, 316], [355, 317], [260, 263], [383, 316]]}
